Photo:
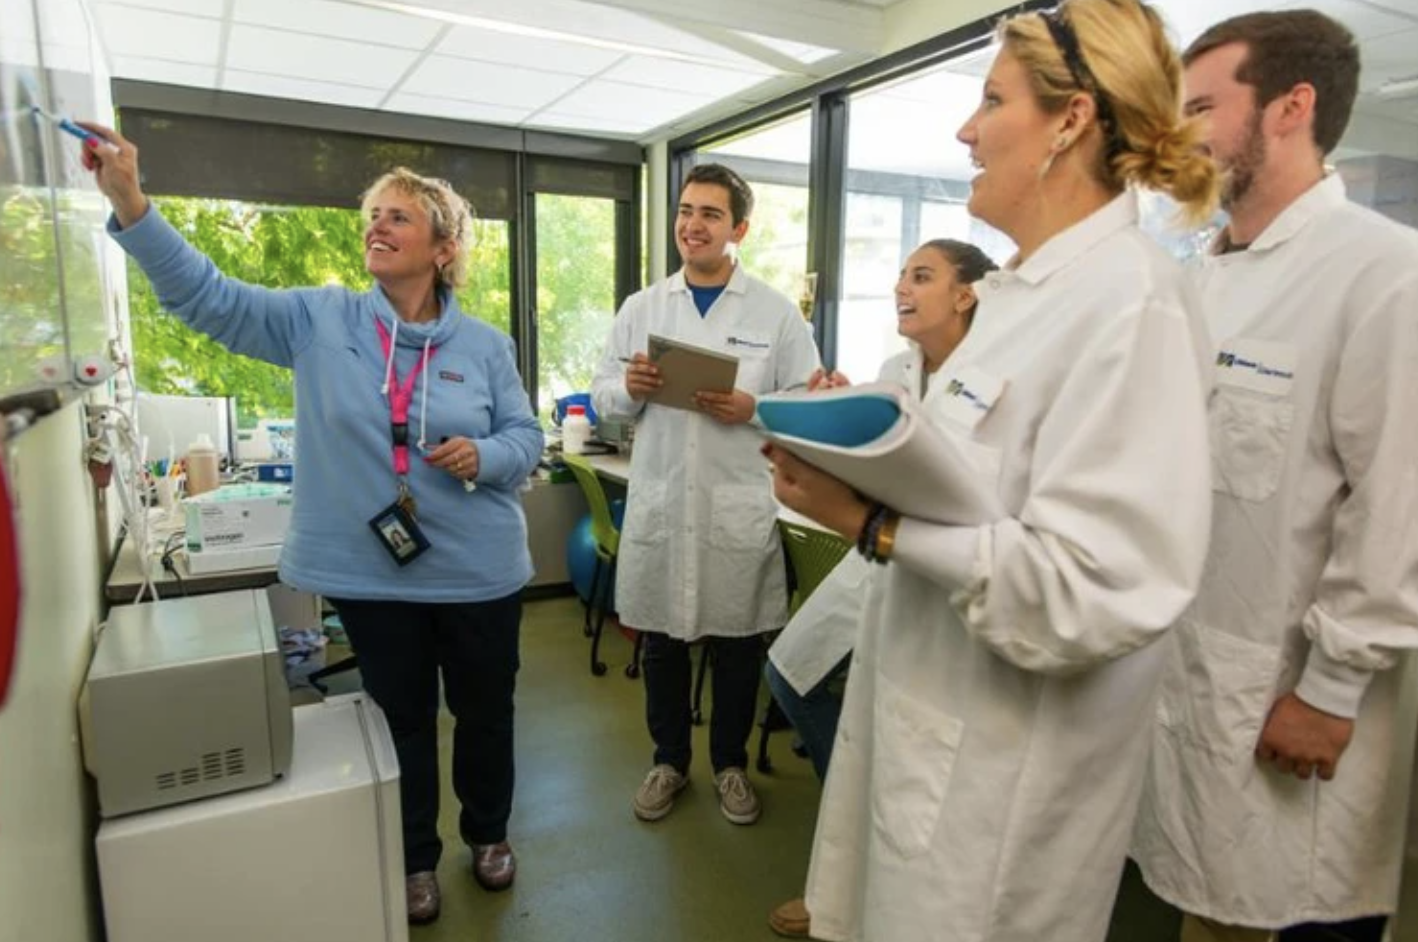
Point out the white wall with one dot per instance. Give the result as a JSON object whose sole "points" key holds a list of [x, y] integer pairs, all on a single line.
{"points": [[47, 887]]}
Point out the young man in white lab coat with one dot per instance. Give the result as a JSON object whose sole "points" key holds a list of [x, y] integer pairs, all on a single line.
{"points": [[1280, 774], [699, 554]]}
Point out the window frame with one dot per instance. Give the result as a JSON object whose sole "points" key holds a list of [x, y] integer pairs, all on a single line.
{"points": [[828, 174]]}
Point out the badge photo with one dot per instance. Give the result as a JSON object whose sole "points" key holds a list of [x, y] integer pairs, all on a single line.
{"points": [[399, 533]]}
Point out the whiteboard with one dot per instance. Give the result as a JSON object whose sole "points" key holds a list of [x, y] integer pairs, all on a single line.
{"points": [[57, 290]]}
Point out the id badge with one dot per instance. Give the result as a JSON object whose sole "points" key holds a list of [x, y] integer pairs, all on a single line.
{"points": [[399, 533]]}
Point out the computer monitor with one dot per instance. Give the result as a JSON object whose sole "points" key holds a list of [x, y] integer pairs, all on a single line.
{"points": [[172, 423]]}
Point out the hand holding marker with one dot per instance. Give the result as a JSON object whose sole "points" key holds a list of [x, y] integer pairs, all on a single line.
{"points": [[69, 127]]}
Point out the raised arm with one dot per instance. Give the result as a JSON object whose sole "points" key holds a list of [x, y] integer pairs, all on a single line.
{"points": [[247, 319]]}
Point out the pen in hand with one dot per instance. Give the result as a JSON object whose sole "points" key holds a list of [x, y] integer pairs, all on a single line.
{"points": [[468, 485]]}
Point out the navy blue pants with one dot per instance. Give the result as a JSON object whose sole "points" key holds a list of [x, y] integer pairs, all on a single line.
{"points": [[403, 647]]}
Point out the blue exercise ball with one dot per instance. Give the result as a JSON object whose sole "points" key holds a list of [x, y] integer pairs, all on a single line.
{"points": [[581, 554]]}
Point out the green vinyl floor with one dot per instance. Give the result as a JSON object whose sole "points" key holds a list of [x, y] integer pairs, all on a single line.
{"points": [[588, 870]]}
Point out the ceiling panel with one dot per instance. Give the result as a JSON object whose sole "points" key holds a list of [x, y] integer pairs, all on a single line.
{"points": [[339, 21], [509, 86], [164, 72], [210, 8], [574, 18], [1364, 19], [700, 80], [454, 109], [612, 101], [1391, 57], [626, 125], [316, 58], [282, 86], [802, 52], [130, 31], [550, 54]]}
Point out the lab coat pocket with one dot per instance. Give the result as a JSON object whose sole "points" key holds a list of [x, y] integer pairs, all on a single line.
{"points": [[645, 512], [1216, 694], [986, 459], [915, 750], [744, 519], [1250, 432]]}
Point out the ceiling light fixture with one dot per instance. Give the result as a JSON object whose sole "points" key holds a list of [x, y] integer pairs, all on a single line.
{"points": [[1406, 87], [536, 32]]}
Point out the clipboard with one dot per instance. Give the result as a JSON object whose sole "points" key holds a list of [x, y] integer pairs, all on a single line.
{"points": [[686, 369]]}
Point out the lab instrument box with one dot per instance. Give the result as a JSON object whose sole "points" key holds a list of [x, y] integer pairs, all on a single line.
{"points": [[185, 698], [317, 855]]}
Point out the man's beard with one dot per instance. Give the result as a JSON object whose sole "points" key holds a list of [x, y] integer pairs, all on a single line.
{"points": [[1244, 165]]}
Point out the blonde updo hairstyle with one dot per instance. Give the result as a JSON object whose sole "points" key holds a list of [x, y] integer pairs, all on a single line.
{"points": [[1125, 53], [449, 214]]}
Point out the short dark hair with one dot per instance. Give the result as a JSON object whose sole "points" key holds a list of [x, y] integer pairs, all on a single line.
{"points": [[740, 194], [1286, 48]]}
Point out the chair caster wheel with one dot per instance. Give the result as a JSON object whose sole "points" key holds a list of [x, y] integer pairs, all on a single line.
{"points": [[632, 671], [598, 669]]}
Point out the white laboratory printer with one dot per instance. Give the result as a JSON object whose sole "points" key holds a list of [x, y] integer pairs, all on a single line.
{"points": [[300, 841]]}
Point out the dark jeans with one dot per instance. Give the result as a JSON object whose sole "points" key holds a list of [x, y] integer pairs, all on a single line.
{"points": [[735, 663], [402, 648], [1355, 930], [813, 714]]}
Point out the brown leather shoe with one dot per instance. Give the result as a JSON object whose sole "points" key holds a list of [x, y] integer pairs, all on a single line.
{"points": [[494, 865], [790, 919], [421, 894]]}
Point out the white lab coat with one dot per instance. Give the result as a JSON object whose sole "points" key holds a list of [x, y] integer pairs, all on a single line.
{"points": [[1312, 580], [822, 632], [996, 724], [699, 548]]}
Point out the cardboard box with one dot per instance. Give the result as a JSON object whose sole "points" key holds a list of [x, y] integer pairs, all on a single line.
{"points": [[237, 516]]}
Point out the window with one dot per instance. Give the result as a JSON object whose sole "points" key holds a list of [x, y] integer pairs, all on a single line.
{"points": [[278, 247], [774, 161], [576, 266], [907, 181], [280, 171]]}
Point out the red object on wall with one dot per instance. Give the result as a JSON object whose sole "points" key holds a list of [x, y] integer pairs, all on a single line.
{"points": [[9, 588]]}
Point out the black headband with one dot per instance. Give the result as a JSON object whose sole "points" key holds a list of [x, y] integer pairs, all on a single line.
{"points": [[1067, 41]]}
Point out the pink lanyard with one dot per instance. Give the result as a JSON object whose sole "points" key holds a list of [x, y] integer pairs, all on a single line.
{"points": [[401, 396]]}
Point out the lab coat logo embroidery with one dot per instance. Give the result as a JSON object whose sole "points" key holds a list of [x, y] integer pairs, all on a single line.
{"points": [[1263, 366], [959, 390], [451, 376], [1231, 361]]}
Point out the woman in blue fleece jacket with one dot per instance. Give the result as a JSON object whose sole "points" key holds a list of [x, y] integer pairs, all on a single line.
{"points": [[414, 434]]}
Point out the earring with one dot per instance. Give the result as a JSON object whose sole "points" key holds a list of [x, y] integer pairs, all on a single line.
{"points": [[1047, 165]]}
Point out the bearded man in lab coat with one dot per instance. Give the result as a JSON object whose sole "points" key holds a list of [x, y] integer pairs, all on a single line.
{"points": [[1280, 772], [699, 554]]}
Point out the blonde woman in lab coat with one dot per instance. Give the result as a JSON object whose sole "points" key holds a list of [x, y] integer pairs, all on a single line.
{"points": [[992, 744]]}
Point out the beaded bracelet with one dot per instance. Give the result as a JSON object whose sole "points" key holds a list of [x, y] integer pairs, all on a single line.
{"points": [[870, 534]]}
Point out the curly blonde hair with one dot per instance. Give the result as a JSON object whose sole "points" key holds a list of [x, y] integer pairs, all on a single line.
{"points": [[450, 215], [1124, 60]]}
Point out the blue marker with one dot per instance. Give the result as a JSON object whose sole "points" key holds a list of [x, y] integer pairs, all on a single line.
{"points": [[69, 127]]}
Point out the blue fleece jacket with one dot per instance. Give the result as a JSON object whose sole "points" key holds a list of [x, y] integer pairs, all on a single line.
{"points": [[345, 469]]}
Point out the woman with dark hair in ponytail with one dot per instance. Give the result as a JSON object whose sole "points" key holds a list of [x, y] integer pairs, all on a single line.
{"points": [[935, 302], [994, 736]]}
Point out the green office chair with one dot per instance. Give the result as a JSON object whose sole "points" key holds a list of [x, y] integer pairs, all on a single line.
{"points": [[812, 554], [607, 537]]}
